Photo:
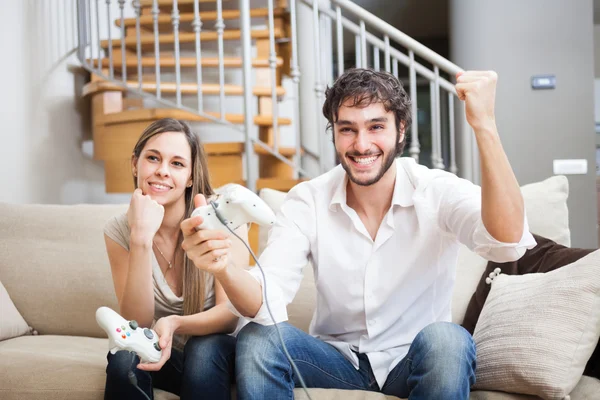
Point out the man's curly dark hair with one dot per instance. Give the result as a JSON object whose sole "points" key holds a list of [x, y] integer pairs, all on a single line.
{"points": [[365, 87]]}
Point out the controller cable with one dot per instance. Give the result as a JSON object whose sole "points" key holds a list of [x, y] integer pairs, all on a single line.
{"points": [[287, 354], [133, 378]]}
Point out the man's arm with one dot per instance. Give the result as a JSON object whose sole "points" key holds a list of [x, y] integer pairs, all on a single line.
{"points": [[502, 208]]}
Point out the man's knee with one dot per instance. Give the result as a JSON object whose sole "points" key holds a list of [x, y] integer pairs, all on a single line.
{"points": [[258, 339], [445, 339]]}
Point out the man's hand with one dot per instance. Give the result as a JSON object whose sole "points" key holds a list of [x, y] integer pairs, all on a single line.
{"points": [[478, 90], [208, 249], [164, 328]]}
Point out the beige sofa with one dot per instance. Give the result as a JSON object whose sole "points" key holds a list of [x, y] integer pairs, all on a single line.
{"points": [[54, 267]]}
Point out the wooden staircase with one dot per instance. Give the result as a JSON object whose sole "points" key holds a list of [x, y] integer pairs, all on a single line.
{"points": [[119, 116]]}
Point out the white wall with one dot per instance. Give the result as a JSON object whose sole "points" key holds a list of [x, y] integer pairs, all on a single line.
{"points": [[44, 120]]}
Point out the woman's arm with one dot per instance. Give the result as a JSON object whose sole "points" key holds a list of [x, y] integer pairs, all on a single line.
{"points": [[132, 279]]}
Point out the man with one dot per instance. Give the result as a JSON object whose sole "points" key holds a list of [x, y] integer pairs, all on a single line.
{"points": [[383, 235]]}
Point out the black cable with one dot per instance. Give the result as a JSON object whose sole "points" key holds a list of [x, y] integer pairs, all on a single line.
{"points": [[225, 222], [133, 378]]}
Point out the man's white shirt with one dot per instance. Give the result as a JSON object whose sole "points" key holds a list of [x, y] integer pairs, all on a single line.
{"points": [[375, 296]]}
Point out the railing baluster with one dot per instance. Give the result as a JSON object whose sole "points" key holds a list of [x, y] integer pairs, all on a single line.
{"points": [[175, 22], [138, 41], [432, 99], [90, 38], [395, 68], [155, 13], [295, 74], [220, 26], [453, 166], [123, 52], [363, 45], [386, 40], [111, 68], [273, 67], [340, 39], [197, 25], [318, 85], [375, 58], [247, 78], [415, 146], [98, 35], [357, 61], [438, 118]]}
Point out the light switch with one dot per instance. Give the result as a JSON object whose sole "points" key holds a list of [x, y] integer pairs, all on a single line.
{"points": [[543, 82], [570, 167]]}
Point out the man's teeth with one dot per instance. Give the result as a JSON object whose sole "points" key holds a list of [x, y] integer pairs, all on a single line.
{"points": [[364, 160]]}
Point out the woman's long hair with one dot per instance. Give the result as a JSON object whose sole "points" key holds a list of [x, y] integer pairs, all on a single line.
{"points": [[194, 280]]}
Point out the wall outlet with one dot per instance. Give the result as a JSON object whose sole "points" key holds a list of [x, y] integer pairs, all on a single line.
{"points": [[570, 167]]}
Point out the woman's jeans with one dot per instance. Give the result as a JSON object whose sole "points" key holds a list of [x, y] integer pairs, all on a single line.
{"points": [[204, 370]]}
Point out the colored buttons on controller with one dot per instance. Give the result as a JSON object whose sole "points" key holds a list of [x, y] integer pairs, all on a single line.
{"points": [[133, 324], [157, 346], [118, 329], [123, 336], [123, 327], [128, 334], [148, 333]]}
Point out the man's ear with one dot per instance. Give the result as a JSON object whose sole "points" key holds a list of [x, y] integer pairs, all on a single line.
{"points": [[402, 131]]}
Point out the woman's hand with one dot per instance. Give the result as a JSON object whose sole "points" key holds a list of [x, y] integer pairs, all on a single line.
{"points": [[144, 217], [208, 249], [165, 329]]}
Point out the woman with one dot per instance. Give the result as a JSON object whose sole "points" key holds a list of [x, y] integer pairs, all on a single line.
{"points": [[155, 280]]}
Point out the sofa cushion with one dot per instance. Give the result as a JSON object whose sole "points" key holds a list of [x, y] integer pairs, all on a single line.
{"points": [[48, 367], [54, 263], [12, 323], [537, 331]]}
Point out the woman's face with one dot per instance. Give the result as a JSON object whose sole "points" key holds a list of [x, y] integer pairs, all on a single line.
{"points": [[164, 167]]}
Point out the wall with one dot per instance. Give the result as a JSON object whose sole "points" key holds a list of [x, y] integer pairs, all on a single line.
{"points": [[45, 154], [521, 39]]}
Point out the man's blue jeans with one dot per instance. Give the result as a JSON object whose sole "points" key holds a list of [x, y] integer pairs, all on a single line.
{"points": [[439, 365], [204, 370]]}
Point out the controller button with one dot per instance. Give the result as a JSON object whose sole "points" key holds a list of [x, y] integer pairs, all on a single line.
{"points": [[124, 337], [133, 324], [128, 334], [123, 327], [157, 346], [148, 333], [118, 329]]}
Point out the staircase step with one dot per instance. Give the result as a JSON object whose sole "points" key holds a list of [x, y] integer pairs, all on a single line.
{"points": [[282, 185], [153, 114], [147, 41], [186, 88], [184, 62], [165, 19], [284, 151], [169, 3]]}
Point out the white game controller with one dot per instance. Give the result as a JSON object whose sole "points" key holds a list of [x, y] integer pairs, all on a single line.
{"points": [[127, 335], [237, 205]]}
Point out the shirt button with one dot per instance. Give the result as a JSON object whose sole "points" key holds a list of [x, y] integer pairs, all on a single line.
{"points": [[371, 322]]}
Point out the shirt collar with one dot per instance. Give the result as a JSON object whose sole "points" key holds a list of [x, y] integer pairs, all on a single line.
{"points": [[403, 188]]}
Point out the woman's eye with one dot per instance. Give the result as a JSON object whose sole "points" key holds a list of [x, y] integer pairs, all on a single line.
{"points": [[178, 164], [152, 158]]}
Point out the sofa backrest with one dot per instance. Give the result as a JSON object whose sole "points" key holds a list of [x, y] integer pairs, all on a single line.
{"points": [[54, 266]]}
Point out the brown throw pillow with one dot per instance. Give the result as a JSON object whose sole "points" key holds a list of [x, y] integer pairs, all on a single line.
{"points": [[545, 257]]}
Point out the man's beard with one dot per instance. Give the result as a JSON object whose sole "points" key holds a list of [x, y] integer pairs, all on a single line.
{"points": [[385, 165]]}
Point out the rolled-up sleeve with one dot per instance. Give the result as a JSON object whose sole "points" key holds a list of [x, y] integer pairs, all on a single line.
{"points": [[459, 207], [284, 257]]}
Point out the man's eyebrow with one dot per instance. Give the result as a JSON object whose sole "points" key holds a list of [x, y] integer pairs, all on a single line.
{"points": [[372, 120]]}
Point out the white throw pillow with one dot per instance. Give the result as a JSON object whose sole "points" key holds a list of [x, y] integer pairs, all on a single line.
{"points": [[12, 323], [536, 332]]}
